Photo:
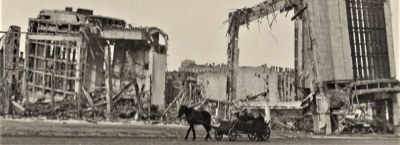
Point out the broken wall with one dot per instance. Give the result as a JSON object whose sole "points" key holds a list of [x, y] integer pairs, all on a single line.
{"points": [[158, 79], [55, 58], [279, 84], [10, 68], [213, 85], [178, 81], [325, 43], [389, 38]]}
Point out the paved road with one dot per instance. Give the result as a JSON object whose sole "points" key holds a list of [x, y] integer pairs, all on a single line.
{"points": [[169, 141], [45, 132]]}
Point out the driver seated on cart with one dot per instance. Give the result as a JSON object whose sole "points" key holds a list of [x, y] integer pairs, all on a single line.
{"points": [[244, 116]]}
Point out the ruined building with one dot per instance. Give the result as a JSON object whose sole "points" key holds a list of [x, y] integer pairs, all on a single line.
{"points": [[177, 81], [344, 57], [9, 68], [86, 61], [208, 82]]}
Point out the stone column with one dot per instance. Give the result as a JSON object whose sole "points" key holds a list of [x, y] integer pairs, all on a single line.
{"points": [[396, 113], [321, 118], [381, 113]]}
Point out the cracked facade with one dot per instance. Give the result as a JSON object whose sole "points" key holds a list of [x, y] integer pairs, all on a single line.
{"points": [[80, 62], [341, 47], [10, 68], [76, 56]]}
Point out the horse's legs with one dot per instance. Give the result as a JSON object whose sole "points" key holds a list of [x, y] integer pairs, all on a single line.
{"points": [[208, 128], [187, 133], [194, 132]]}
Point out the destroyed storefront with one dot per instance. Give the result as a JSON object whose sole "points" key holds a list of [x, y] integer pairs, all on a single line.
{"points": [[77, 63]]}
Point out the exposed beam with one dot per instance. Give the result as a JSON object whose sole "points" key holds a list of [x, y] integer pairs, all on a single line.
{"points": [[263, 9], [124, 34], [88, 97], [53, 37], [377, 90], [364, 82]]}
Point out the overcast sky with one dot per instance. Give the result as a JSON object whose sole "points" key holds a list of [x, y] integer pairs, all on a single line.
{"points": [[195, 28]]}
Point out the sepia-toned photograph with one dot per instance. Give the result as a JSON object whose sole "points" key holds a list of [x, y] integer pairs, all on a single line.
{"points": [[199, 72]]}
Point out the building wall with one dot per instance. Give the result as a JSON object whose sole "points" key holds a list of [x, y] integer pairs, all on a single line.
{"points": [[213, 85], [369, 25], [176, 82], [94, 72], [187, 63], [10, 66], [251, 81], [340, 43], [158, 79], [323, 52], [389, 36]]}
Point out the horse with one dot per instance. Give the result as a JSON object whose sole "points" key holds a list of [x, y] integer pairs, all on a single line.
{"points": [[194, 117]]}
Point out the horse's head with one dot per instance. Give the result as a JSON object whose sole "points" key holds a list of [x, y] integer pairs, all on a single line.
{"points": [[182, 110]]}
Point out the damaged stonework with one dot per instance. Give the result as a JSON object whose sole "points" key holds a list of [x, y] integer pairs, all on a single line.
{"points": [[204, 86], [93, 63], [242, 17], [9, 70], [343, 53]]}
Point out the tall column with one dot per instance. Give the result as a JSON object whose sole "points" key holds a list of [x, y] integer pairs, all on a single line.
{"points": [[25, 74], [10, 64], [233, 56], [396, 113], [298, 49], [107, 58], [322, 119], [78, 75], [381, 113], [389, 36]]}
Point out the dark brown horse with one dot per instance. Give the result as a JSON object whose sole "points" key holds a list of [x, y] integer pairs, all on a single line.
{"points": [[194, 117]]}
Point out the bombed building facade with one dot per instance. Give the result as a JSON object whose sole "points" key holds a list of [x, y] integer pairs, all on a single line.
{"points": [[78, 63], [278, 81], [10, 68], [344, 58], [86, 61]]}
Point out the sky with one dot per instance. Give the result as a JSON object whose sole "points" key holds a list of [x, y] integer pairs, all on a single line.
{"points": [[196, 28]]}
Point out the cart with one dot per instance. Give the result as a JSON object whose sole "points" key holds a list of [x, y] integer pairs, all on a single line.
{"points": [[236, 128]]}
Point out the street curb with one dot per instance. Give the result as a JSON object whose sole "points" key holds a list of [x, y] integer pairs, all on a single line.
{"points": [[353, 137]]}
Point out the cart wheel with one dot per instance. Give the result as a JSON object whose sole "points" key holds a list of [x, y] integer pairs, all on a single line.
{"points": [[218, 135], [252, 136], [232, 135], [267, 133]]}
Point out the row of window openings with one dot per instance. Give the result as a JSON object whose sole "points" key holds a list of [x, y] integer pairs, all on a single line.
{"points": [[369, 64], [60, 52], [357, 13]]}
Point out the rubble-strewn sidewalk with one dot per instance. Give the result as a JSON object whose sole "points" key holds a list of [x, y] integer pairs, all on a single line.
{"points": [[29, 127]]}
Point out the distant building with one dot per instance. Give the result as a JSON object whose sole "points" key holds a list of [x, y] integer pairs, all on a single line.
{"points": [[177, 81], [211, 80]]}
